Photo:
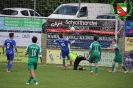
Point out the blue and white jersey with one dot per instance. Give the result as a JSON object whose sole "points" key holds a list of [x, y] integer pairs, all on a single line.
{"points": [[63, 44], [9, 44]]}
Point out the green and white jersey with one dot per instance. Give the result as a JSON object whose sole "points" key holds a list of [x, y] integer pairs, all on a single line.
{"points": [[117, 50], [95, 48], [33, 51]]}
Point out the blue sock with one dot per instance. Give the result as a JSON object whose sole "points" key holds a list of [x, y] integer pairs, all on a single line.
{"points": [[63, 62], [9, 66]]}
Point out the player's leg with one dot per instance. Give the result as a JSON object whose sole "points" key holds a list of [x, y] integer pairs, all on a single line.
{"points": [[7, 63], [29, 80], [10, 61], [32, 66], [96, 60], [80, 59], [76, 64], [113, 64], [64, 55], [90, 64], [123, 67], [96, 68]]}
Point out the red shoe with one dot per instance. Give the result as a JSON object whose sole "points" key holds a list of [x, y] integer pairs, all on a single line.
{"points": [[64, 68]]}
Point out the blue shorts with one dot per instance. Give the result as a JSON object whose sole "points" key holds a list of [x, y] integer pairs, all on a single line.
{"points": [[10, 56], [64, 54]]}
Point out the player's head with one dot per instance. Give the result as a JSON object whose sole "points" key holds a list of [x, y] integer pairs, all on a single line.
{"points": [[114, 41], [61, 35], [11, 35], [34, 39], [95, 38]]}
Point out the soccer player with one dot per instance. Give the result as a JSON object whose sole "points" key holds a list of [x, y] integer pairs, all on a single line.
{"points": [[33, 50], [9, 44], [118, 56], [76, 59], [63, 42], [95, 55]]}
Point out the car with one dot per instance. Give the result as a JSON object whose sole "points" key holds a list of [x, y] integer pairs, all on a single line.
{"points": [[109, 16], [19, 12]]}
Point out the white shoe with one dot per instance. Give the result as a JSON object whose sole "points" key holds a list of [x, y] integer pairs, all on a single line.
{"points": [[27, 83], [36, 83], [125, 72], [91, 72]]}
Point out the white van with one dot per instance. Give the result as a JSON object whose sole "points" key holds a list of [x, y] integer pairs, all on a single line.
{"points": [[87, 10]]}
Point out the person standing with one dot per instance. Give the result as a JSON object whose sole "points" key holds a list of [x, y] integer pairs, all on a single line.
{"points": [[10, 44]]}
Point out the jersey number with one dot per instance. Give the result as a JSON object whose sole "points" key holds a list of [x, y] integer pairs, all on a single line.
{"points": [[8, 45], [34, 52], [96, 48], [62, 44]]}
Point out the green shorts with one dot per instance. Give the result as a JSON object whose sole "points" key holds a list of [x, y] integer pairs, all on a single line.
{"points": [[118, 59], [94, 59], [32, 64]]}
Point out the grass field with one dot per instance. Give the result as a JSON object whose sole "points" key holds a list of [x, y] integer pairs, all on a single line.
{"points": [[51, 76]]}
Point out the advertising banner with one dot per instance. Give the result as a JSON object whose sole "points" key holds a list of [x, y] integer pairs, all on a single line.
{"points": [[84, 40], [20, 57], [22, 39], [81, 26], [54, 57], [129, 28], [128, 60], [129, 44], [21, 24]]}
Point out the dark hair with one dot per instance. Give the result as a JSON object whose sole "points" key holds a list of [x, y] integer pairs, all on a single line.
{"points": [[11, 35], [34, 39], [114, 40], [61, 35], [95, 37]]}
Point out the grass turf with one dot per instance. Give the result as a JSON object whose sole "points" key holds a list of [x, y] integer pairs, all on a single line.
{"points": [[51, 76]]}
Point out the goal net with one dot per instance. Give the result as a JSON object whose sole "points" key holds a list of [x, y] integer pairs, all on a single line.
{"points": [[85, 30]]}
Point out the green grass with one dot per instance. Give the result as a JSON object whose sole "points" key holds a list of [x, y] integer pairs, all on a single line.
{"points": [[51, 76]]}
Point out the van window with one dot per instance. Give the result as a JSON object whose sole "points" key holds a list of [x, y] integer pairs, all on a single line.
{"points": [[66, 10], [83, 12], [25, 13], [32, 13], [9, 12]]}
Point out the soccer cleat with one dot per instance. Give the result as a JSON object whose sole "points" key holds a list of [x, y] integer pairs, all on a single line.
{"points": [[111, 71], [125, 72], [84, 69], [64, 68], [27, 83], [36, 83], [91, 72], [7, 70]]}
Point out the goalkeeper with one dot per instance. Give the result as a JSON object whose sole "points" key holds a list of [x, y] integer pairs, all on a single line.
{"points": [[75, 59]]}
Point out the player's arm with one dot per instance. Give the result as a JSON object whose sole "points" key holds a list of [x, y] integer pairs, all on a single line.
{"points": [[70, 42], [111, 47], [15, 47], [26, 51], [3, 47], [100, 51], [90, 49], [56, 41]]}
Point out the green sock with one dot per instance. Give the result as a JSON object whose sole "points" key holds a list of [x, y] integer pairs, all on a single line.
{"points": [[34, 79], [90, 67], [96, 70], [124, 68], [113, 67], [29, 80]]}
